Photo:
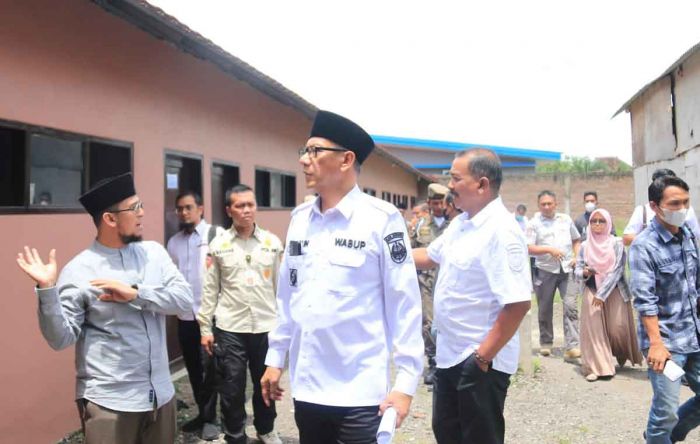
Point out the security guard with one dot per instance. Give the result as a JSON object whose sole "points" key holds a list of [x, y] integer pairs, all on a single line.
{"points": [[348, 298], [239, 290], [482, 295], [427, 231]]}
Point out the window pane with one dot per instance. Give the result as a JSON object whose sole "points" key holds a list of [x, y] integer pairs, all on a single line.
{"points": [[223, 177], [289, 192], [12, 155], [56, 171], [275, 190], [107, 161], [262, 188]]}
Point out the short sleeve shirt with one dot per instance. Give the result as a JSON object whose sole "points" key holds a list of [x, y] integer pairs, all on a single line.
{"points": [[484, 266], [558, 232]]}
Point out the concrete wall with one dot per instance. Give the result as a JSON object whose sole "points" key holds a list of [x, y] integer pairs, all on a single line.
{"points": [[615, 193], [77, 68]]}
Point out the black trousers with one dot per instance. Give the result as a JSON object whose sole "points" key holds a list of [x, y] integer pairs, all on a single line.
{"points": [[234, 353], [468, 404], [200, 369], [323, 424]]}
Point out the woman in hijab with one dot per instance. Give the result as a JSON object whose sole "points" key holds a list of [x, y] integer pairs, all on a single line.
{"points": [[607, 323]]}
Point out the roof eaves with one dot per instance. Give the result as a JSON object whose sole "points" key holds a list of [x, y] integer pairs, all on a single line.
{"points": [[668, 71], [156, 22]]}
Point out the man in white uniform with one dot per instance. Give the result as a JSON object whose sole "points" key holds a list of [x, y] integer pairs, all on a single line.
{"points": [[481, 296], [348, 298]]}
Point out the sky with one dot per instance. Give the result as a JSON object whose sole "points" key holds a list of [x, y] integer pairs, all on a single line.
{"points": [[529, 74]]}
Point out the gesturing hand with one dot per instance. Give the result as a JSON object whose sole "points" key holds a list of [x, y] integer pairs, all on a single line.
{"points": [[43, 274], [114, 291]]}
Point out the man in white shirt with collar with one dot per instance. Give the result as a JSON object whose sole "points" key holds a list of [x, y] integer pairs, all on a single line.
{"points": [[348, 298], [554, 241], [188, 248], [481, 296]]}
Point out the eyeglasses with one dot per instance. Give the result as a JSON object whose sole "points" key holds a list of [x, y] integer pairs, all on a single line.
{"points": [[597, 222], [183, 208], [312, 151], [135, 207]]}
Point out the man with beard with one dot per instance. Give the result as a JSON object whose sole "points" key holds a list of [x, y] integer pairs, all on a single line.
{"points": [[189, 248], [348, 298], [111, 301], [239, 291]]}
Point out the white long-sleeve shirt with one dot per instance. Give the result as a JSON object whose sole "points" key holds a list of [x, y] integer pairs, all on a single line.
{"points": [[347, 298], [189, 252]]}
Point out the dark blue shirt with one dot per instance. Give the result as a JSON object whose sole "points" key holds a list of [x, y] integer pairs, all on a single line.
{"points": [[664, 283]]}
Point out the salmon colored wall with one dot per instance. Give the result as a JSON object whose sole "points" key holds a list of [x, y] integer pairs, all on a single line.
{"points": [[77, 68], [382, 175]]}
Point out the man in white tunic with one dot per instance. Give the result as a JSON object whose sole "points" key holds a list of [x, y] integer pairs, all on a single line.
{"points": [[348, 298]]}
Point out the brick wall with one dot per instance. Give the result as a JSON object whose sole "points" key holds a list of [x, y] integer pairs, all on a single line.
{"points": [[615, 193]]}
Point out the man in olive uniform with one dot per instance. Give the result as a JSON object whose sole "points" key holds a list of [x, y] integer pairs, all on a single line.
{"points": [[427, 230]]}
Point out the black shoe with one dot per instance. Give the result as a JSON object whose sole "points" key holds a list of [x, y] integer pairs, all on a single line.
{"points": [[193, 425]]}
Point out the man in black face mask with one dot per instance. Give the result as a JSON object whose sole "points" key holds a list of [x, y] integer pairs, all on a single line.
{"points": [[189, 248]]}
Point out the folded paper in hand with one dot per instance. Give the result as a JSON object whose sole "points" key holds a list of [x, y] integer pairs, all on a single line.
{"points": [[673, 371], [387, 426]]}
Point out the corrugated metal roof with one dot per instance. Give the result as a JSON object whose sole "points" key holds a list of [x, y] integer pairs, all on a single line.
{"points": [[459, 146], [670, 70], [156, 22]]}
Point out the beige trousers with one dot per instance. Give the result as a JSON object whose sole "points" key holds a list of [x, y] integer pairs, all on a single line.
{"points": [[104, 426]]}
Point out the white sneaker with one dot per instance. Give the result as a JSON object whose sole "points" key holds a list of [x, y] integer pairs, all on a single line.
{"points": [[270, 438]]}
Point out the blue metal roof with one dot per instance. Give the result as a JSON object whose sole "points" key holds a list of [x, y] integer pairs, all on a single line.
{"points": [[457, 146], [446, 166]]}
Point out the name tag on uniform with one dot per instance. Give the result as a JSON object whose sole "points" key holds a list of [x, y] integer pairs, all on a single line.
{"points": [[249, 278]]}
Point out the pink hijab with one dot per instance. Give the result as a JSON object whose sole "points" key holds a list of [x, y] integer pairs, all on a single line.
{"points": [[599, 253]]}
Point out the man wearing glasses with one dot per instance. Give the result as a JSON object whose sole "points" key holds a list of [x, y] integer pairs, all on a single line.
{"points": [[189, 248], [111, 301], [347, 298]]}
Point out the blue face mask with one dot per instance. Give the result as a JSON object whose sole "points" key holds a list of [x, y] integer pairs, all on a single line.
{"points": [[519, 217]]}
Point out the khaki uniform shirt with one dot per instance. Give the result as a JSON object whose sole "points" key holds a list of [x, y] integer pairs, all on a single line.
{"points": [[241, 282], [426, 232]]}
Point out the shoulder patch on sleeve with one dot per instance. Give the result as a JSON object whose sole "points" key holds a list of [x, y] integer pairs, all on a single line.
{"points": [[517, 256], [397, 247]]}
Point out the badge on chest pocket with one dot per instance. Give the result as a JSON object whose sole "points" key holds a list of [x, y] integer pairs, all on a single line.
{"points": [[293, 277]]}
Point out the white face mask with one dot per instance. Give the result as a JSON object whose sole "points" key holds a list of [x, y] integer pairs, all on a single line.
{"points": [[674, 217], [589, 206]]}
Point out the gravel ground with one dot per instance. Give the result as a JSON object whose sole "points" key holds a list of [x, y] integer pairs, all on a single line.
{"points": [[555, 404]]}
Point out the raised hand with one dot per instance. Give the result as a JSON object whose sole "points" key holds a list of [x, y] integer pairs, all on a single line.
{"points": [[43, 274]]}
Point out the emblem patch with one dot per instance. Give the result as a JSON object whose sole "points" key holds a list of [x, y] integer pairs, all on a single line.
{"points": [[397, 247], [292, 277]]}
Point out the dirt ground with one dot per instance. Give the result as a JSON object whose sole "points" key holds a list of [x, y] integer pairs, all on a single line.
{"points": [[553, 405]]}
